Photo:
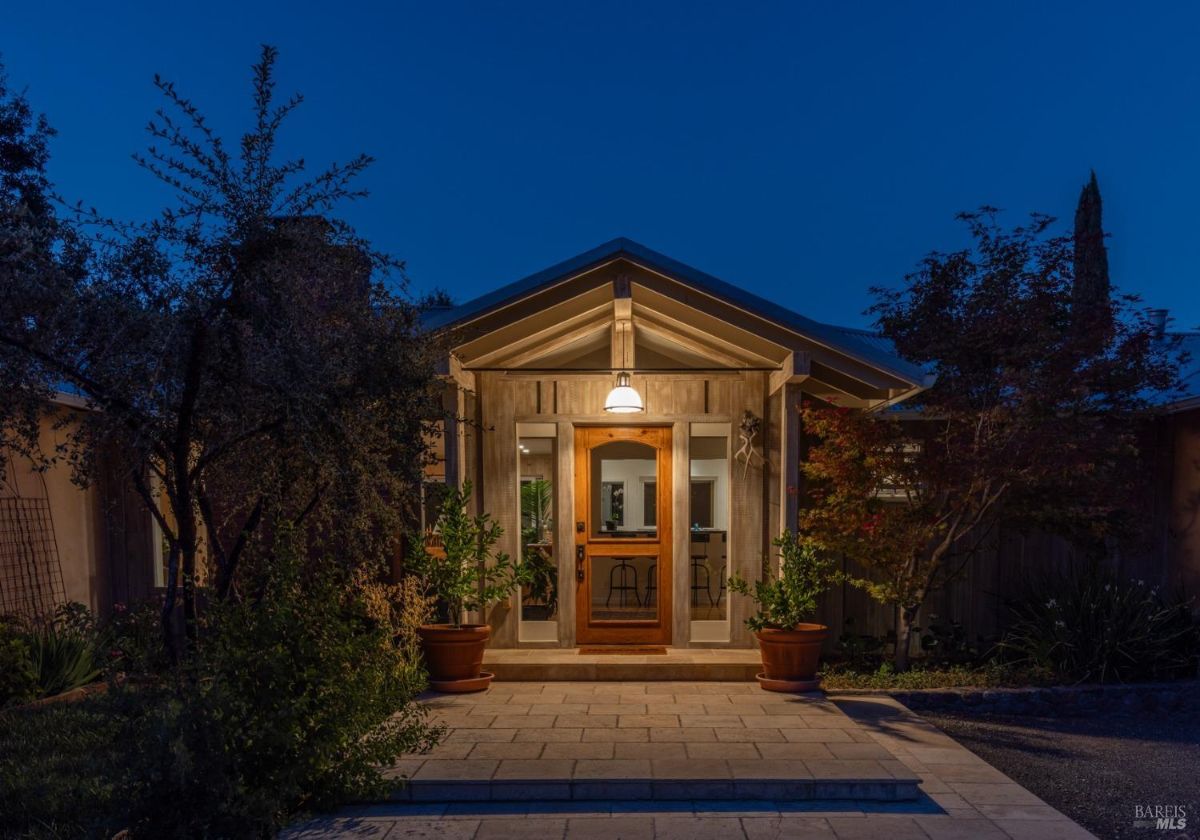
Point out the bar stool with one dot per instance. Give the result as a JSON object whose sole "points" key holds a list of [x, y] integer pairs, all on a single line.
{"points": [[624, 586], [651, 585], [724, 567], [700, 566]]}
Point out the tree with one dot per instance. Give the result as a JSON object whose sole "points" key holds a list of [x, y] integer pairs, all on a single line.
{"points": [[247, 356], [36, 249], [1028, 419], [1091, 316]]}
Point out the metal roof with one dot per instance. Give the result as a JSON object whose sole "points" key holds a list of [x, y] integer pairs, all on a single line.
{"points": [[1189, 374], [859, 344]]}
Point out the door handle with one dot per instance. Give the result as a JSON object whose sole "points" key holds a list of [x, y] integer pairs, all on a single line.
{"points": [[580, 554]]}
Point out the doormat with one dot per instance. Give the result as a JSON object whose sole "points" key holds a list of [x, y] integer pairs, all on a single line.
{"points": [[635, 650]]}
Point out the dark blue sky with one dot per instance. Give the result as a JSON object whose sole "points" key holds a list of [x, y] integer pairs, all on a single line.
{"points": [[802, 151]]}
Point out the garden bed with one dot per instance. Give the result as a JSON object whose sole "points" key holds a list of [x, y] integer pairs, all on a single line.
{"points": [[1047, 701]]}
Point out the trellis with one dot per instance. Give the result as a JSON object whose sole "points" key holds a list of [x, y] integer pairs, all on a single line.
{"points": [[31, 576]]}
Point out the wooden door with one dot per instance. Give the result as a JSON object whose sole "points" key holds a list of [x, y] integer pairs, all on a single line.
{"points": [[623, 535]]}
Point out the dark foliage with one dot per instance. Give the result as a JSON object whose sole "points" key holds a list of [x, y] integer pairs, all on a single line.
{"points": [[1083, 624], [249, 357], [1026, 420]]}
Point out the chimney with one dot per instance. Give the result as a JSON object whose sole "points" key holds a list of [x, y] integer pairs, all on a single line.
{"points": [[1158, 321]]}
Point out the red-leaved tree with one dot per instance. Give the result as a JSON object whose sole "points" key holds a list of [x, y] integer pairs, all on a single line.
{"points": [[1030, 418]]}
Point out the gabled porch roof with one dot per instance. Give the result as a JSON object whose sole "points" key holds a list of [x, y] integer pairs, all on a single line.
{"points": [[565, 317]]}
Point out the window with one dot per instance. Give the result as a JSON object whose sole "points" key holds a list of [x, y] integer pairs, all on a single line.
{"points": [[894, 486], [708, 532], [433, 496], [620, 470], [539, 597]]}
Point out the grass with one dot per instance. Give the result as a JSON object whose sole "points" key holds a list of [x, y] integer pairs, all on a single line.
{"points": [[844, 675], [56, 762]]}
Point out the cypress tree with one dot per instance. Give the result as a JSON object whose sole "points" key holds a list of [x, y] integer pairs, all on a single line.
{"points": [[1091, 308]]}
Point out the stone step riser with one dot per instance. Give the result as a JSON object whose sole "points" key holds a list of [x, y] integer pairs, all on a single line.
{"points": [[623, 672], [659, 790]]}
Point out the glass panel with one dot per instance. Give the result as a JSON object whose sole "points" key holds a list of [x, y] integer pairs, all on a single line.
{"points": [[624, 588], [623, 473], [432, 499], [708, 556], [539, 598]]}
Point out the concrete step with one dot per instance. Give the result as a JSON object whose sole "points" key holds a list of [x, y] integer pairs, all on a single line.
{"points": [[678, 664], [761, 786]]}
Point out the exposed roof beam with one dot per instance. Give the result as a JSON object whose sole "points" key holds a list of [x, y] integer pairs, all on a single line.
{"points": [[794, 370], [492, 334], [701, 336], [700, 348], [451, 368], [553, 345], [557, 334], [622, 355], [850, 385]]}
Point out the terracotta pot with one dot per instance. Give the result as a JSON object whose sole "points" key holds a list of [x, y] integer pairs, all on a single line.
{"points": [[792, 656], [453, 653]]}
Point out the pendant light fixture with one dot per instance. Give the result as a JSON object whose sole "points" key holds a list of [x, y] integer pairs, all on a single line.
{"points": [[624, 398]]}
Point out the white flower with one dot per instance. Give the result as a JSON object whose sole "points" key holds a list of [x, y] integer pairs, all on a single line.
{"points": [[1060, 623], [1052, 603], [1107, 587]]}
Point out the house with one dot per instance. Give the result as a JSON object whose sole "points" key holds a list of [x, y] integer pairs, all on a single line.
{"points": [[632, 424], [658, 406]]}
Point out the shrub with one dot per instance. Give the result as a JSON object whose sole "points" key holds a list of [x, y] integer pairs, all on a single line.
{"points": [[789, 597], [64, 652], [134, 639], [859, 648], [885, 677], [297, 698], [18, 680], [1085, 625]]}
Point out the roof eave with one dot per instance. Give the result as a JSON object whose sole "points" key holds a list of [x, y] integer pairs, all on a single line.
{"points": [[702, 282], [1180, 406]]}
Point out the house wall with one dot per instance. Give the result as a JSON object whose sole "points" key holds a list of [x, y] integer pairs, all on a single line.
{"points": [[102, 532], [1183, 534], [75, 513], [676, 399]]}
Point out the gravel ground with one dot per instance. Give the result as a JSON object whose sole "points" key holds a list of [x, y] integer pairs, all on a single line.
{"points": [[1094, 770]]}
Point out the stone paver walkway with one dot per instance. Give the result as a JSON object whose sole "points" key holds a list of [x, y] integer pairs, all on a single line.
{"points": [[960, 795], [587, 741]]}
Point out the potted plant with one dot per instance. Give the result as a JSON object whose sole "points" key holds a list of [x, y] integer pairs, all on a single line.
{"points": [[466, 574], [789, 644]]}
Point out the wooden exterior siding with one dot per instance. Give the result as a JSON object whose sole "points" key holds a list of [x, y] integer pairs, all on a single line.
{"points": [[676, 400]]}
